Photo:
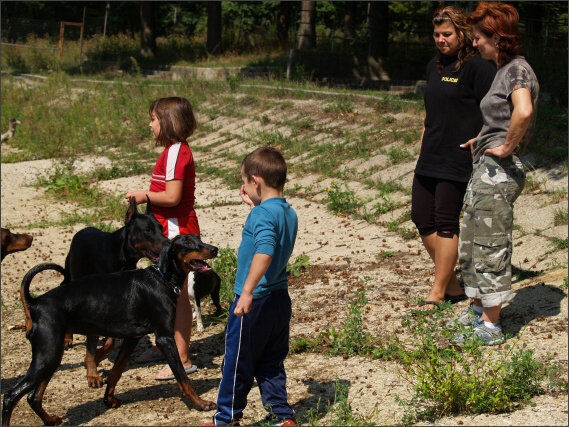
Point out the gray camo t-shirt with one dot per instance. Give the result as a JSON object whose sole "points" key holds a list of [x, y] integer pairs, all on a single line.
{"points": [[497, 106]]}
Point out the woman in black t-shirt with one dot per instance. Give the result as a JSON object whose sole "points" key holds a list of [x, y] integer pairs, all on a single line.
{"points": [[457, 79]]}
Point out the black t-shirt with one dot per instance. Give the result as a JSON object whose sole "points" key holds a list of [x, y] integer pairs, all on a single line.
{"points": [[452, 104]]}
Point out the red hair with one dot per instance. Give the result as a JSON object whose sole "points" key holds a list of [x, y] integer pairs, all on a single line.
{"points": [[501, 19]]}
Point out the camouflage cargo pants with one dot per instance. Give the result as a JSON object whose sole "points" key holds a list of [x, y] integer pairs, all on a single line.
{"points": [[485, 241]]}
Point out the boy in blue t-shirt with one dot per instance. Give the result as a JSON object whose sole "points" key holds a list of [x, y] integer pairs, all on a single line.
{"points": [[257, 331]]}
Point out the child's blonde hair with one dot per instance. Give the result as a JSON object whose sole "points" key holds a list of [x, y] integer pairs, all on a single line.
{"points": [[176, 118]]}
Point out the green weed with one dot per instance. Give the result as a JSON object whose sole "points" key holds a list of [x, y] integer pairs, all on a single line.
{"points": [[313, 415], [560, 216], [564, 284], [225, 265], [395, 226], [397, 155], [558, 195], [386, 205], [351, 339], [302, 261], [385, 254], [533, 183], [559, 243], [340, 106], [341, 200], [474, 379]]}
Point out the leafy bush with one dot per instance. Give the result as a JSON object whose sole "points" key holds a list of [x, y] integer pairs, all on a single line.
{"points": [[225, 265], [342, 201], [472, 379]]}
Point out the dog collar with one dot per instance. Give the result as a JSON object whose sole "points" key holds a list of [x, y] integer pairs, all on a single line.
{"points": [[176, 289]]}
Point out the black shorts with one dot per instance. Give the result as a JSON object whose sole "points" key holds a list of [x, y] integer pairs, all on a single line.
{"points": [[436, 205]]}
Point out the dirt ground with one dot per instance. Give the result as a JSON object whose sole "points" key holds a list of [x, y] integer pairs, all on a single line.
{"points": [[342, 252]]}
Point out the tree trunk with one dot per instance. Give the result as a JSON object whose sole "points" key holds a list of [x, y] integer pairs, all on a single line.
{"points": [[213, 44], [307, 29], [350, 20], [283, 23], [378, 21], [148, 31]]}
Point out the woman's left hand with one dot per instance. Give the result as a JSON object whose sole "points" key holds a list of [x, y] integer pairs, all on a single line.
{"points": [[519, 122], [500, 151]]}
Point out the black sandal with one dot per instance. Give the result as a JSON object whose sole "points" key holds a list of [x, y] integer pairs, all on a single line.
{"points": [[453, 299]]}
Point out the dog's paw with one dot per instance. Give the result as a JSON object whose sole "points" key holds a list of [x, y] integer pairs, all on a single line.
{"points": [[112, 402], [206, 405], [199, 329], [95, 381], [52, 420]]}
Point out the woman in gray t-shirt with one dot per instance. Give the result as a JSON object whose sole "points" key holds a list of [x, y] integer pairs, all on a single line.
{"points": [[508, 111]]}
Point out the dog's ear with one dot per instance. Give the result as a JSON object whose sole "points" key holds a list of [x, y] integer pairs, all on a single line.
{"points": [[148, 207], [131, 211]]}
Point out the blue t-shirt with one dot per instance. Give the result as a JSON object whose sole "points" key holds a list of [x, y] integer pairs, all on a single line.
{"points": [[270, 229]]}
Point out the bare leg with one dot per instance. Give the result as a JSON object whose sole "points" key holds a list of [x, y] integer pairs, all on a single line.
{"points": [[490, 314], [183, 325], [444, 253], [182, 330]]}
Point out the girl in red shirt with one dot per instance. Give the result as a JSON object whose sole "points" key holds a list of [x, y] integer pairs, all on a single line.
{"points": [[172, 197]]}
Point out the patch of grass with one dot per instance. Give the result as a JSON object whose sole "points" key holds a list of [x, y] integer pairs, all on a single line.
{"points": [[533, 183], [344, 200], [395, 226], [274, 138], [130, 168], [559, 243], [231, 177], [341, 106], [352, 338], [386, 205], [474, 379], [557, 196], [560, 216], [385, 255], [397, 155], [97, 207]]}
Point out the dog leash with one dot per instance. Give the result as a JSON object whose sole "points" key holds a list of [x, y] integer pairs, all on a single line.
{"points": [[176, 289]]}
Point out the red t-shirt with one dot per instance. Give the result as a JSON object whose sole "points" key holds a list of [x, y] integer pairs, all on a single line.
{"points": [[176, 162]]}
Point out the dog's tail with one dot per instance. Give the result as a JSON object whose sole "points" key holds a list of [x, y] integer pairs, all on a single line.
{"points": [[25, 287]]}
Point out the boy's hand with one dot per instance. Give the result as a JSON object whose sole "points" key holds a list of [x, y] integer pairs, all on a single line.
{"points": [[245, 197], [244, 304]]}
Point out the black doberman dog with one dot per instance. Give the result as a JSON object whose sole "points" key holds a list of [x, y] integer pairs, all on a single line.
{"points": [[94, 251], [126, 304], [13, 242]]}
